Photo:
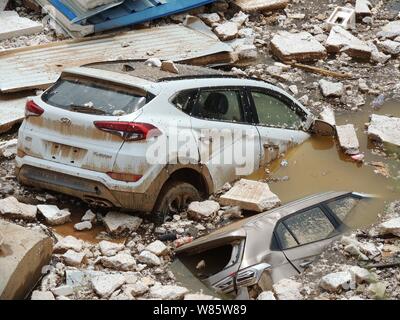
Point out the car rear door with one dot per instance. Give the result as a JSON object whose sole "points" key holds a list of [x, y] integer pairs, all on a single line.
{"points": [[304, 235], [61, 127], [228, 142], [278, 120]]}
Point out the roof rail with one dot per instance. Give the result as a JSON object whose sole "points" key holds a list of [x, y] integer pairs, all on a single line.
{"points": [[206, 76]]}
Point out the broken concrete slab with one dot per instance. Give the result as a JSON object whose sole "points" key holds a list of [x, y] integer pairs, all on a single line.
{"points": [[12, 25], [328, 115], [376, 55], [193, 46], [168, 292], [287, 289], [266, 295], [261, 5], [104, 285], [109, 249], [158, 248], [84, 225], [89, 216], [11, 207], [250, 195], [53, 215], [8, 148], [210, 18], [226, 31], [331, 89], [117, 223], [12, 111], [341, 40], [203, 210], [42, 295], [363, 9], [63, 290], [22, 257], [73, 258], [390, 47], [384, 129], [336, 281], [391, 226], [68, 242], [300, 46], [390, 30], [348, 139], [149, 258], [121, 261]]}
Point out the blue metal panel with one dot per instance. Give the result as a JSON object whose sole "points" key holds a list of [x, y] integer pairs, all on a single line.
{"points": [[126, 13]]}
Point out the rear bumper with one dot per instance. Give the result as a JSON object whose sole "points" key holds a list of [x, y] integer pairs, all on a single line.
{"points": [[84, 184]]}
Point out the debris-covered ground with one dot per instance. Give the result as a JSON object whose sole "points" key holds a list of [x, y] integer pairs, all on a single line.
{"points": [[129, 257]]}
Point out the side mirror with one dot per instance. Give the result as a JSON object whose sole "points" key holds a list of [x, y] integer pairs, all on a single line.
{"points": [[323, 128]]}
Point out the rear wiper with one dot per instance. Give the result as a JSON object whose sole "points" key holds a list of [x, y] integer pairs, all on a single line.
{"points": [[86, 109]]}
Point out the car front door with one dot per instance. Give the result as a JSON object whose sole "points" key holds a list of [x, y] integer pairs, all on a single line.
{"points": [[279, 121], [304, 235], [228, 143]]}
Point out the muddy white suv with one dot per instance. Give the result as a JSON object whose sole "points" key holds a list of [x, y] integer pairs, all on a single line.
{"points": [[129, 135]]}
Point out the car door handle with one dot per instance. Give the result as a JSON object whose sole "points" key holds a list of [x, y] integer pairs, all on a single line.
{"points": [[305, 263]]}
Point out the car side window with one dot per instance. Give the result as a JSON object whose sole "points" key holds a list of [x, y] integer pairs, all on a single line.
{"points": [[274, 112], [284, 236], [183, 100], [224, 105], [344, 207], [310, 226]]}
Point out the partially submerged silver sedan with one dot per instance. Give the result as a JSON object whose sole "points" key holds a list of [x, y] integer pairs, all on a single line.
{"points": [[248, 256]]}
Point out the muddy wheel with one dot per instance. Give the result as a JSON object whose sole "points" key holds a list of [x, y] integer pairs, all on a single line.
{"points": [[174, 197]]}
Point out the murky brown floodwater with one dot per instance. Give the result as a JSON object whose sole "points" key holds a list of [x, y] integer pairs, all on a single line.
{"points": [[318, 165]]}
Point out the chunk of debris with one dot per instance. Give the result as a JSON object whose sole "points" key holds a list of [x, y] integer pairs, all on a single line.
{"points": [[377, 290], [336, 281], [42, 295], [300, 46], [390, 30], [89, 216], [73, 258], [239, 18], [137, 289], [250, 195], [378, 101], [342, 17], [153, 62], [226, 31], [328, 115], [104, 285], [390, 47], [10, 206], [266, 295], [376, 55], [391, 226], [117, 223], [341, 40], [287, 289], [168, 292], [8, 148], [121, 261], [331, 89], [68, 242], [22, 256], [84, 225], [53, 215], [359, 275], [203, 210], [158, 248], [169, 66], [109, 249], [63, 290], [210, 18], [363, 9], [149, 258], [12, 25], [261, 5], [384, 129], [12, 111], [348, 139]]}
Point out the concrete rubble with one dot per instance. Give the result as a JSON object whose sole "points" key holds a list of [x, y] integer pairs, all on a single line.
{"points": [[12, 25], [117, 223], [287, 289], [363, 9], [53, 215], [384, 129], [11, 207], [331, 89], [300, 46], [250, 195], [261, 5], [348, 139], [203, 210], [12, 112]]}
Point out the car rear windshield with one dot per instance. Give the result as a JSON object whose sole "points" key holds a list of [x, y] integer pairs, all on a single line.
{"points": [[88, 96]]}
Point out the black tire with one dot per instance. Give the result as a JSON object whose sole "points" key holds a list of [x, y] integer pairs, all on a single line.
{"points": [[174, 197]]}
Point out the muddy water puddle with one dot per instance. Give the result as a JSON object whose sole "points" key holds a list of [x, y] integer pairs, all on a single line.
{"points": [[318, 165]]}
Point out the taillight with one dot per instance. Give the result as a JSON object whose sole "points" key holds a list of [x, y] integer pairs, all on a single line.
{"points": [[127, 177], [132, 131], [32, 109]]}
